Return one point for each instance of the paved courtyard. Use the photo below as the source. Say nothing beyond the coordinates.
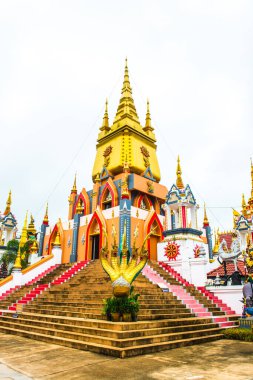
(25, 359)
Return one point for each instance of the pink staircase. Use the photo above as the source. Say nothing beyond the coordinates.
(180, 291)
(70, 272)
(177, 290)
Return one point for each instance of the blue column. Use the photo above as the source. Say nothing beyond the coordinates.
(76, 223)
(209, 241)
(42, 237)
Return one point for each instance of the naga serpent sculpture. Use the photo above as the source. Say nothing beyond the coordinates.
(122, 269)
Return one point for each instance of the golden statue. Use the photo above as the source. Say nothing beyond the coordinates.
(122, 269)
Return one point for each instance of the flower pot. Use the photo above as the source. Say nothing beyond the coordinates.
(126, 317)
(134, 317)
(115, 317)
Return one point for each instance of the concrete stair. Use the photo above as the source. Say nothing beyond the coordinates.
(69, 313)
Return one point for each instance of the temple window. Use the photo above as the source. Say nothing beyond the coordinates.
(107, 202)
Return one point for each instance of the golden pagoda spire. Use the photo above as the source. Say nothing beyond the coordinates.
(148, 127)
(8, 204)
(243, 205)
(74, 188)
(79, 207)
(57, 241)
(45, 220)
(105, 126)
(17, 265)
(23, 238)
(179, 181)
(206, 221)
(31, 230)
(126, 106)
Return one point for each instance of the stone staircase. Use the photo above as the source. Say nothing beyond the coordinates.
(69, 314)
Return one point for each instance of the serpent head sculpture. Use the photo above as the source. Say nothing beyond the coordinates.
(123, 269)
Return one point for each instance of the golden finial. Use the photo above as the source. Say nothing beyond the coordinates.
(23, 238)
(31, 230)
(179, 181)
(45, 220)
(126, 105)
(34, 247)
(57, 241)
(243, 205)
(74, 188)
(17, 265)
(105, 126)
(79, 208)
(8, 204)
(148, 127)
(97, 178)
(206, 221)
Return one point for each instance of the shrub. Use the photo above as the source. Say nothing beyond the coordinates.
(239, 334)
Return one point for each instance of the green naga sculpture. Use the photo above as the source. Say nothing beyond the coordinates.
(123, 269)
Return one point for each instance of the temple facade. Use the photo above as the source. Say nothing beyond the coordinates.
(126, 190)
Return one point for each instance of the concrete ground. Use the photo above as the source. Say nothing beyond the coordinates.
(25, 359)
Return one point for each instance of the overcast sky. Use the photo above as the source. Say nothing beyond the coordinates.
(59, 60)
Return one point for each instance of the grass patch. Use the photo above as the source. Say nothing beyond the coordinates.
(238, 334)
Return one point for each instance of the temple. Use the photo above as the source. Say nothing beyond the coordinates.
(142, 233)
(126, 189)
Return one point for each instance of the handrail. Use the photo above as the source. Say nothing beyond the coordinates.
(5, 280)
(38, 263)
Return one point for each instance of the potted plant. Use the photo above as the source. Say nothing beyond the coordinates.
(111, 309)
(125, 309)
(135, 305)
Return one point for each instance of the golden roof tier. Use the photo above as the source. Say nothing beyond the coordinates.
(126, 138)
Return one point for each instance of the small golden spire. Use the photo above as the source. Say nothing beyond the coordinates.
(148, 127)
(23, 238)
(17, 265)
(179, 181)
(243, 205)
(97, 178)
(206, 221)
(8, 204)
(79, 208)
(31, 230)
(45, 220)
(34, 247)
(126, 107)
(74, 189)
(57, 240)
(105, 126)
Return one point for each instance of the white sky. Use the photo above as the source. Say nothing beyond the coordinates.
(59, 60)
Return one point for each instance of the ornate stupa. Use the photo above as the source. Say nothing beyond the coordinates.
(126, 189)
